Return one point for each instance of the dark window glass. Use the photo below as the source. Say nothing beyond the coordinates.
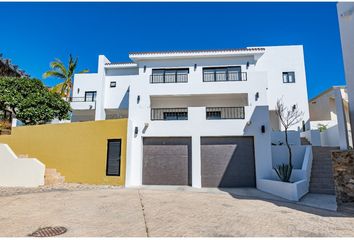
(213, 115)
(222, 74)
(175, 116)
(288, 77)
(90, 96)
(113, 157)
(113, 84)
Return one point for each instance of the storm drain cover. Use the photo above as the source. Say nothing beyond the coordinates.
(48, 232)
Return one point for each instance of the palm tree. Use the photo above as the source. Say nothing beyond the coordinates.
(59, 70)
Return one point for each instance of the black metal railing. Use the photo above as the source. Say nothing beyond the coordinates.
(169, 78)
(167, 114)
(81, 99)
(214, 113)
(222, 77)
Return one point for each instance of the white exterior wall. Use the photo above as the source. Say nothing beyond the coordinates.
(277, 60)
(346, 26)
(197, 95)
(19, 172)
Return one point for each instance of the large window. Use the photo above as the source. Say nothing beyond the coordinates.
(169, 75)
(169, 114)
(288, 77)
(90, 96)
(223, 74)
(113, 157)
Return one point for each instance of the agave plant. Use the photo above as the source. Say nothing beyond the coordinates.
(284, 172)
(59, 70)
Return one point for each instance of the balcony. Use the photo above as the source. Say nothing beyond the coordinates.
(216, 113)
(224, 77)
(168, 114)
(169, 78)
(82, 103)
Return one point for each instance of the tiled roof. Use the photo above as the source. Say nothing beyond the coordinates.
(201, 51)
(120, 63)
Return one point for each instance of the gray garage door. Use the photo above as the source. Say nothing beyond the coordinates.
(227, 162)
(167, 161)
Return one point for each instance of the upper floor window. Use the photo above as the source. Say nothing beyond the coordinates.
(169, 75)
(90, 96)
(288, 77)
(223, 74)
(113, 84)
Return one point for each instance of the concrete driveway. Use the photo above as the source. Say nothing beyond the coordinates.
(102, 211)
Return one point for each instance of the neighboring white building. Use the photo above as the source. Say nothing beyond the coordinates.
(329, 113)
(346, 26)
(199, 118)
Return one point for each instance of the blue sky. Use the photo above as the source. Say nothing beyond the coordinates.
(33, 34)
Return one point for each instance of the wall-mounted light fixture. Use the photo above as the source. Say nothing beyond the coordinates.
(138, 99)
(294, 107)
(257, 96)
(136, 130)
(248, 65)
(78, 90)
(144, 68)
(195, 66)
(263, 129)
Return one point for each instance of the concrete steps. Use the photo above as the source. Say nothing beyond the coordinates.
(322, 180)
(53, 177)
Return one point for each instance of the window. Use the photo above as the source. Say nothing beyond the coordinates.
(169, 114)
(113, 84)
(175, 116)
(213, 115)
(169, 75)
(223, 74)
(288, 77)
(90, 96)
(113, 157)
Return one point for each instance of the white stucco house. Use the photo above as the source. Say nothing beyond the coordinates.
(329, 119)
(202, 118)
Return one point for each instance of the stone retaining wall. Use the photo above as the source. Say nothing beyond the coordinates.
(343, 172)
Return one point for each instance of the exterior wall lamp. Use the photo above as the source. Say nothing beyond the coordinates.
(138, 99)
(294, 107)
(144, 68)
(257, 96)
(78, 90)
(136, 130)
(248, 65)
(195, 67)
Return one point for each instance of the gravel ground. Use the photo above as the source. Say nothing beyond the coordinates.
(95, 211)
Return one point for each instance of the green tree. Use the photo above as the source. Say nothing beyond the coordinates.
(59, 70)
(31, 101)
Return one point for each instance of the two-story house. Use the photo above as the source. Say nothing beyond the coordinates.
(200, 118)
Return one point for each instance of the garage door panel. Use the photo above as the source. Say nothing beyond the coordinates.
(167, 161)
(227, 162)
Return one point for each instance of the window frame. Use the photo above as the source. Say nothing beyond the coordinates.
(215, 69)
(93, 99)
(113, 84)
(120, 156)
(163, 74)
(287, 76)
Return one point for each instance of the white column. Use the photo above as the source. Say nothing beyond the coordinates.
(196, 163)
(341, 120)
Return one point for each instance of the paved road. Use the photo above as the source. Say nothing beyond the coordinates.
(149, 212)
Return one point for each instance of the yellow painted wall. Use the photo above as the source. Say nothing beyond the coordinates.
(77, 150)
